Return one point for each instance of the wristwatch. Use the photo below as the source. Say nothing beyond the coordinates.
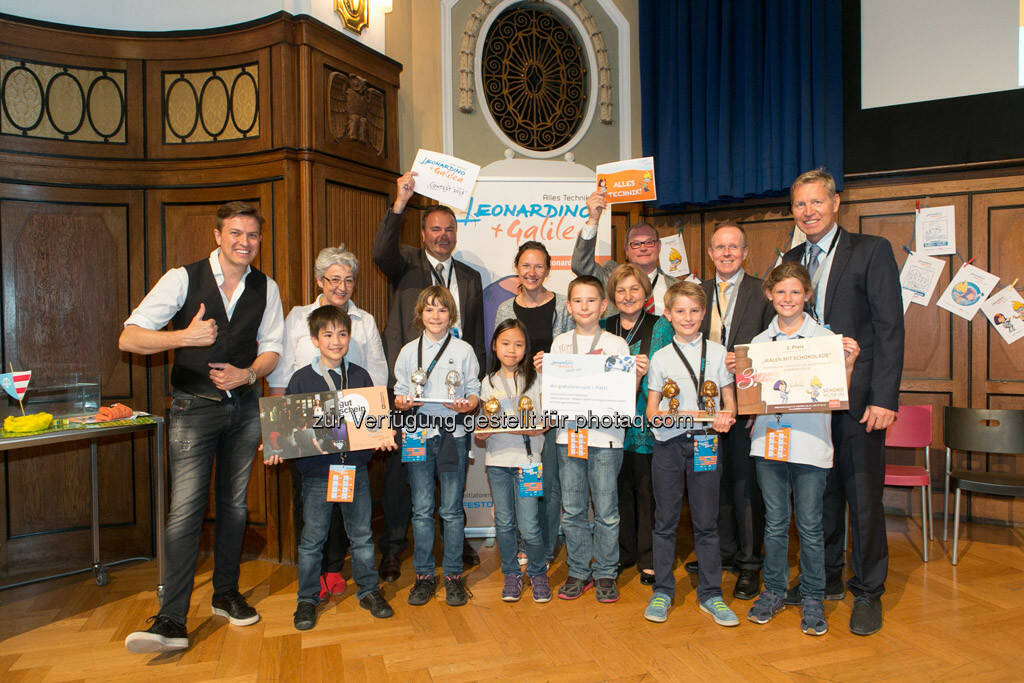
(252, 375)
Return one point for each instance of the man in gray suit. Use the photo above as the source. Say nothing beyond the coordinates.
(643, 246)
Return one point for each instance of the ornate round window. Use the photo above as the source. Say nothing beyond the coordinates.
(534, 74)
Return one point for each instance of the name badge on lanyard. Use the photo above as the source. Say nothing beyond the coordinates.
(341, 484)
(531, 484)
(578, 443)
(414, 446)
(705, 452)
(776, 443)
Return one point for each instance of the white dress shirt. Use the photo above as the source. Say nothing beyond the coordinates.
(824, 268)
(454, 289)
(168, 296)
(365, 348)
(734, 288)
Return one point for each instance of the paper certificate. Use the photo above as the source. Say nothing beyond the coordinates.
(627, 181)
(792, 376)
(935, 230)
(918, 279)
(300, 425)
(445, 178)
(1005, 310)
(574, 385)
(673, 256)
(967, 291)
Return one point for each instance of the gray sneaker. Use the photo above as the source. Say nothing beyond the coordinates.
(767, 605)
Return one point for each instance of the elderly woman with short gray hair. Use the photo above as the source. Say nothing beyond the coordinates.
(335, 270)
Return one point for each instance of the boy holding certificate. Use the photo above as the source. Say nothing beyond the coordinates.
(330, 329)
(589, 459)
(793, 456)
(438, 376)
(685, 453)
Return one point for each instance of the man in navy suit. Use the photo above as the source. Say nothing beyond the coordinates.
(411, 270)
(857, 294)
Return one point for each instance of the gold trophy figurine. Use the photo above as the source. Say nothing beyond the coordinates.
(492, 406)
(708, 396)
(670, 390)
(525, 407)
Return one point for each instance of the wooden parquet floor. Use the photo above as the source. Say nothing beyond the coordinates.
(941, 623)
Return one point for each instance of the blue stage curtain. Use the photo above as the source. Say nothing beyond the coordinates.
(739, 96)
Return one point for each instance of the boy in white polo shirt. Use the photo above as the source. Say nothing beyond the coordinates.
(591, 474)
(690, 361)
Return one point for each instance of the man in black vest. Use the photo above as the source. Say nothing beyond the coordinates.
(737, 311)
(410, 271)
(228, 330)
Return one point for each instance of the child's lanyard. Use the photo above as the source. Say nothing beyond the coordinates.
(326, 374)
(703, 363)
(593, 344)
(508, 392)
(419, 356)
(331, 384)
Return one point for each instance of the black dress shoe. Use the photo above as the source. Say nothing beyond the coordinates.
(646, 578)
(390, 568)
(748, 586)
(835, 589)
(470, 558)
(691, 567)
(866, 617)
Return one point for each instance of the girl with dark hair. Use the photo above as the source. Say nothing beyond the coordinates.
(545, 316)
(511, 391)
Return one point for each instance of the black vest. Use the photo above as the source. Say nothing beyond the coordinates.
(236, 339)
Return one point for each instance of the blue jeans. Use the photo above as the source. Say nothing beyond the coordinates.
(510, 509)
(594, 479)
(200, 432)
(807, 484)
(452, 484)
(316, 520)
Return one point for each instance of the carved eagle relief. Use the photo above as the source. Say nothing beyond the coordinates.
(355, 111)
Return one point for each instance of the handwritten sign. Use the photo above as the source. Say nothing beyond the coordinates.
(445, 178)
(628, 181)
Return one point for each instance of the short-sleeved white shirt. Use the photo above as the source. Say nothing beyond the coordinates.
(665, 364)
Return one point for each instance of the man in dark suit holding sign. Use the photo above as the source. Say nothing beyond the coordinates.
(411, 270)
(737, 311)
(857, 294)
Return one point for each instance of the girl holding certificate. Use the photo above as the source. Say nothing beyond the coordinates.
(794, 455)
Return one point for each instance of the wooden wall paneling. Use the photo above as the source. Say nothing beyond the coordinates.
(354, 107)
(87, 96)
(768, 228)
(71, 259)
(997, 369)
(209, 87)
(686, 224)
(181, 223)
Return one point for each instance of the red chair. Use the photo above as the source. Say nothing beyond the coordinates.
(913, 429)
